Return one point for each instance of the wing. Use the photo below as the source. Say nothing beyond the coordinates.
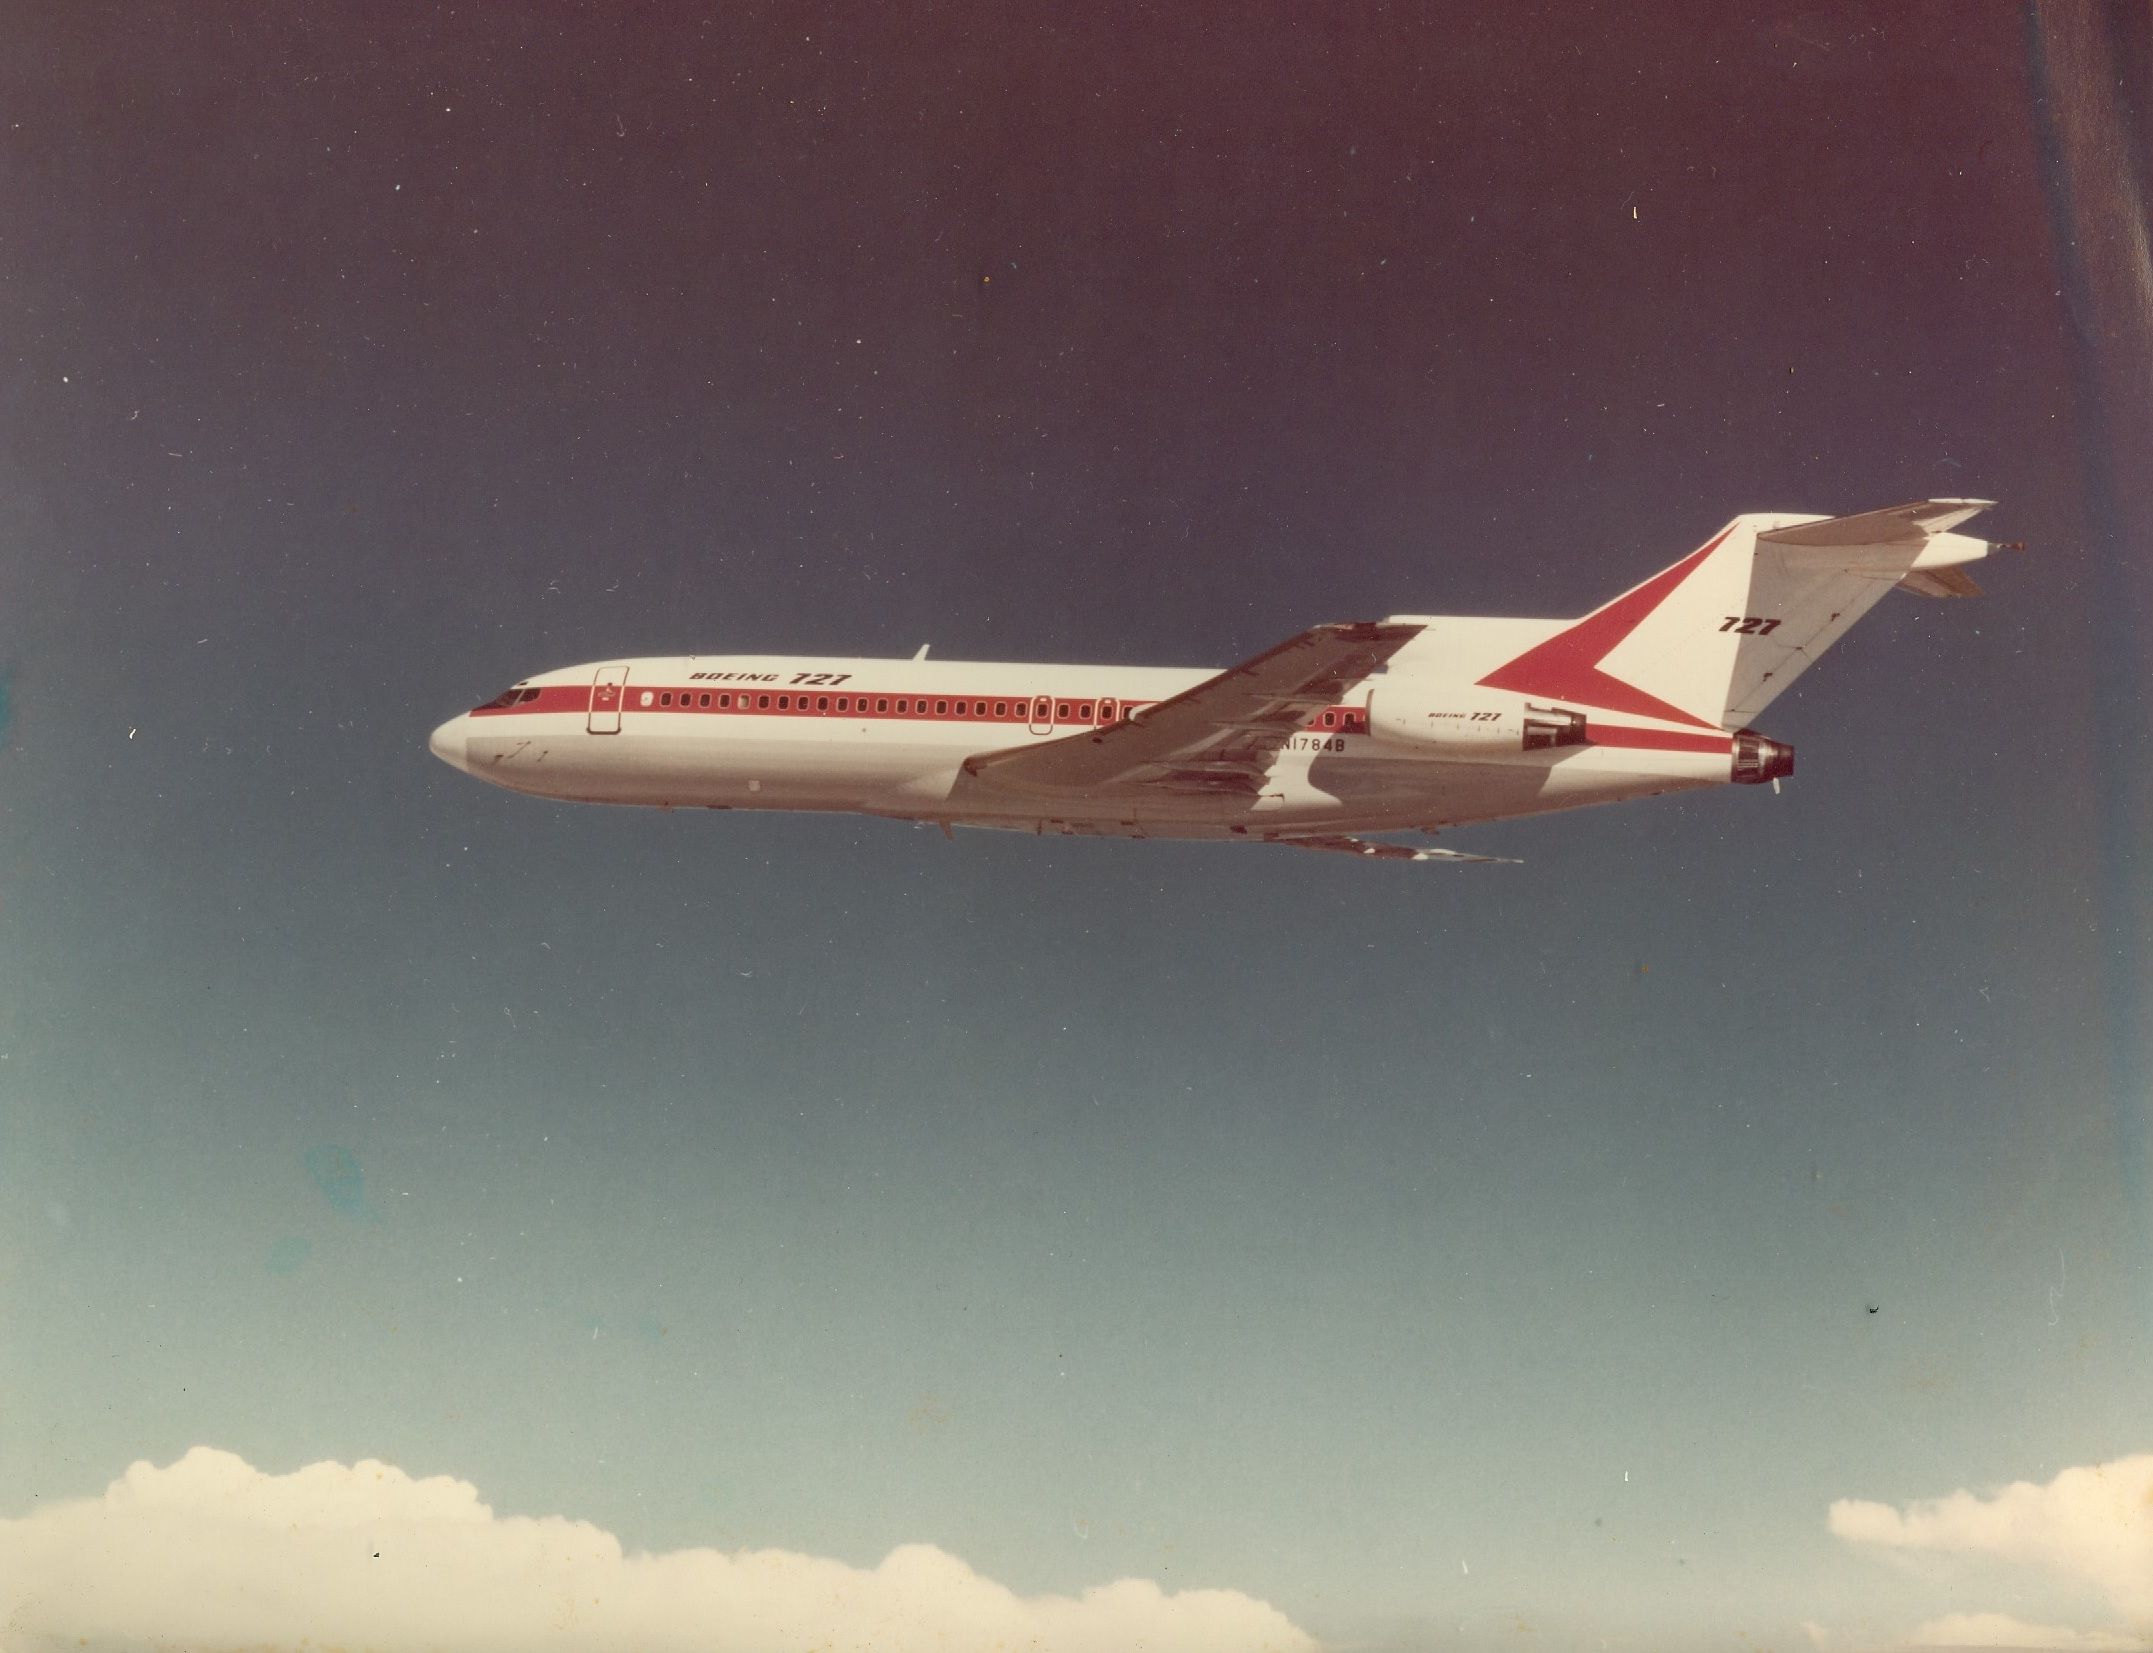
(1221, 736)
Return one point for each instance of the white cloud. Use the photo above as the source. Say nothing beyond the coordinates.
(211, 1553)
(2093, 1523)
(2001, 1630)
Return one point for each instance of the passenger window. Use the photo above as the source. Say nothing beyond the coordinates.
(1084, 712)
(941, 708)
(724, 701)
(822, 702)
(762, 703)
(1061, 712)
(1330, 720)
(882, 705)
(702, 700)
(648, 697)
(1001, 708)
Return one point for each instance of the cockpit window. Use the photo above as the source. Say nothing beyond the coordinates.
(507, 697)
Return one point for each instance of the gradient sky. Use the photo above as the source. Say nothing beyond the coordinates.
(1424, 1250)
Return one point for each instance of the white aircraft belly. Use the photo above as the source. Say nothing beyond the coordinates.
(1378, 792)
(744, 765)
(913, 774)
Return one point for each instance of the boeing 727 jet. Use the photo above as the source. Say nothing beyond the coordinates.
(1401, 726)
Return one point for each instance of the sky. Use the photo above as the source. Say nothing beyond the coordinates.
(1731, 1228)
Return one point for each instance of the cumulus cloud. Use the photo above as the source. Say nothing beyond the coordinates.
(211, 1553)
(2093, 1524)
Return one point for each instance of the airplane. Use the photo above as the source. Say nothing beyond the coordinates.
(1401, 726)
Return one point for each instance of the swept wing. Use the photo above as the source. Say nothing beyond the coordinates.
(1222, 736)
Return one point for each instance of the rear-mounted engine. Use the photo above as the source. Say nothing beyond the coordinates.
(1547, 726)
(1757, 760)
(1456, 723)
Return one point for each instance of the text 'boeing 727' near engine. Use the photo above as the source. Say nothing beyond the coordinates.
(1404, 725)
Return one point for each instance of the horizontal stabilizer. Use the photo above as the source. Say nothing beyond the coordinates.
(1892, 526)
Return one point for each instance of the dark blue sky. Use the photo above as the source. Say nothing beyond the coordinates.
(1088, 1210)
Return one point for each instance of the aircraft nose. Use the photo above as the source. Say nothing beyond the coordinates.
(448, 743)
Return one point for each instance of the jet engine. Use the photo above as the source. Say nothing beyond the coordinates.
(1757, 760)
(1468, 723)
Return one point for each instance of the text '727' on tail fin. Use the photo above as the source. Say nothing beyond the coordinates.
(1714, 639)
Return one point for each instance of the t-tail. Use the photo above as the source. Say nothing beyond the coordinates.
(1713, 640)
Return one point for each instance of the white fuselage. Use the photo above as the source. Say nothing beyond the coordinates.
(891, 738)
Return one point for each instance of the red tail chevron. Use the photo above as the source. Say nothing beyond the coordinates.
(1567, 666)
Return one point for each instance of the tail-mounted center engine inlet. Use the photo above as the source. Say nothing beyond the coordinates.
(1757, 760)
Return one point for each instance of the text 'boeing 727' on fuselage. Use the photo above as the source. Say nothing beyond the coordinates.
(1404, 725)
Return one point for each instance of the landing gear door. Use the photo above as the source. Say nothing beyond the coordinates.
(608, 689)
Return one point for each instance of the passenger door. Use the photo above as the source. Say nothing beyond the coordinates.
(608, 689)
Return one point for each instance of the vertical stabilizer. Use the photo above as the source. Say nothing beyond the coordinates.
(1714, 639)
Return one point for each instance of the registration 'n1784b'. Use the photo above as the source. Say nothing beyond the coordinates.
(1337, 736)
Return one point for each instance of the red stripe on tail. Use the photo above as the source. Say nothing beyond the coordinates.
(1567, 665)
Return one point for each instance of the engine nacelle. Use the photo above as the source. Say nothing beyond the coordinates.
(1468, 723)
(1757, 760)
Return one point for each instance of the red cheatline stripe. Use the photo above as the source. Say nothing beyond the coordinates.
(930, 708)
(576, 698)
(1346, 719)
(1654, 740)
(1567, 665)
(555, 697)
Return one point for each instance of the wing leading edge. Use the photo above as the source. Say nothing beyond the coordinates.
(1894, 525)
